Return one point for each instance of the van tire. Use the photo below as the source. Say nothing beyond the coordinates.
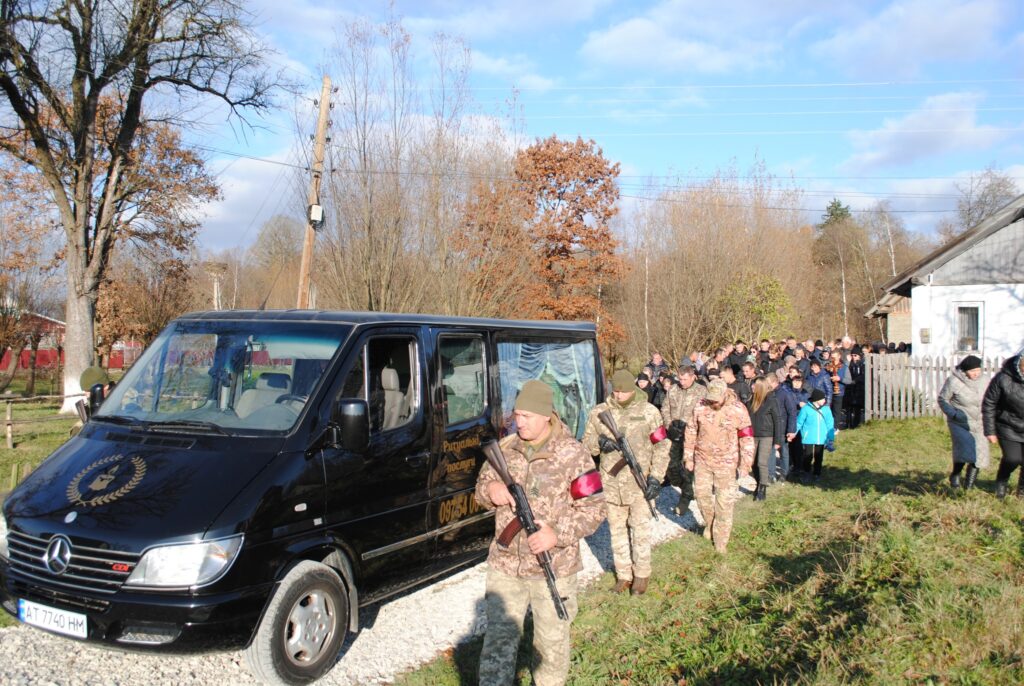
(301, 633)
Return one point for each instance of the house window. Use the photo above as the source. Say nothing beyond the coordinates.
(968, 328)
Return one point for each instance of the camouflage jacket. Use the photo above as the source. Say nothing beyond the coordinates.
(680, 402)
(547, 474)
(640, 423)
(721, 439)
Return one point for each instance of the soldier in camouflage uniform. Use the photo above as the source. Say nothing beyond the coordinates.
(629, 517)
(564, 490)
(676, 414)
(718, 441)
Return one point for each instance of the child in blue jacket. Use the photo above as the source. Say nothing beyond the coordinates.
(816, 427)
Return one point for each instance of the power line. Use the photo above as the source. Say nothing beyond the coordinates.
(683, 99)
(754, 86)
(795, 132)
(690, 201)
(798, 113)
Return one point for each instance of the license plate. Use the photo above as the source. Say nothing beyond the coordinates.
(60, 621)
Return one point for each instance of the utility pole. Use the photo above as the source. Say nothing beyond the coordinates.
(314, 210)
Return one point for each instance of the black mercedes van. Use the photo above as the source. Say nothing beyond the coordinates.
(256, 477)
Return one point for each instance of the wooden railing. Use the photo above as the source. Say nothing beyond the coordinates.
(902, 387)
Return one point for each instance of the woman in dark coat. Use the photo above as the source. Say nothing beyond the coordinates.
(766, 420)
(1002, 413)
(960, 401)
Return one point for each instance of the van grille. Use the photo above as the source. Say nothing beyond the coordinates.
(90, 569)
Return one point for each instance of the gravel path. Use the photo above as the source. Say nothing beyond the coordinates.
(406, 632)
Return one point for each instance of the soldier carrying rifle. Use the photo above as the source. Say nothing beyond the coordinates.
(563, 488)
(629, 513)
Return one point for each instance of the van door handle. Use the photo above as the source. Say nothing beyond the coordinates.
(418, 459)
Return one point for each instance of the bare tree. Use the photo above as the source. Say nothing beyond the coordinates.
(62, 63)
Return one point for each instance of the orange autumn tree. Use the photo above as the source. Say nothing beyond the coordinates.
(571, 189)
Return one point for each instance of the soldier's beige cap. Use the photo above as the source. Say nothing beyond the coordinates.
(536, 397)
(716, 390)
(623, 381)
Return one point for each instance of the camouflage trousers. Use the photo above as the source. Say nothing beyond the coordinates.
(630, 527)
(506, 600)
(679, 476)
(716, 494)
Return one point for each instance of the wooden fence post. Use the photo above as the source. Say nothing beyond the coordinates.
(868, 395)
(14, 476)
(9, 428)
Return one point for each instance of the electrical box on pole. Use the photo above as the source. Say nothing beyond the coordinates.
(315, 216)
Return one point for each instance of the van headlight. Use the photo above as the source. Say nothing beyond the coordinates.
(189, 564)
(3, 537)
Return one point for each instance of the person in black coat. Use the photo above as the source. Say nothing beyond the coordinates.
(732, 379)
(854, 403)
(1002, 416)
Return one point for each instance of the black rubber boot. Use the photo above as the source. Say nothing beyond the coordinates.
(1001, 489)
(761, 493)
(954, 481)
(972, 476)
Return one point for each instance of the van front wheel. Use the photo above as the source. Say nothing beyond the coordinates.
(303, 628)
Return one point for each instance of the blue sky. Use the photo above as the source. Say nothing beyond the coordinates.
(862, 100)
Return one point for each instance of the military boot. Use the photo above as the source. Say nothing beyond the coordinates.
(761, 493)
(622, 585)
(1001, 489)
(954, 481)
(972, 476)
(639, 586)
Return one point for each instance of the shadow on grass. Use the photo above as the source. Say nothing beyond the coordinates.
(465, 657)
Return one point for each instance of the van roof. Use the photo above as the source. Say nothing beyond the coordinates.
(362, 318)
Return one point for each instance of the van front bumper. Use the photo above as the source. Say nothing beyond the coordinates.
(167, 622)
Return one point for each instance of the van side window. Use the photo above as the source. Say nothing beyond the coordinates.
(567, 366)
(463, 377)
(387, 376)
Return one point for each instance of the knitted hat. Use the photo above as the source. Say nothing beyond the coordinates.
(92, 376)
(970, 362)
(817, 394)
(536, 397)
(623, 381)
(716, 390)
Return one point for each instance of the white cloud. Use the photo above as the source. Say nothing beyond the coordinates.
(943, 124)
(689, 36)
(253, 192)
(908, 34)
(517, 69)
(502, 18)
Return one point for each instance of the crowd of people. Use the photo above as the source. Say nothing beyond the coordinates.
(708, 426)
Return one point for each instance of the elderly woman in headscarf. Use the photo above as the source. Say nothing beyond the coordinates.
(960, 400)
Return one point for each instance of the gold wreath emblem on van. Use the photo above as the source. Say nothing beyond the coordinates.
(101, 475)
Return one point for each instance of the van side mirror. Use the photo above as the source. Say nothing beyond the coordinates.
(351, 417)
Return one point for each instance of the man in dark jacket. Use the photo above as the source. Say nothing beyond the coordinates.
(731, 376)
(738, 355)
(791, 396)
(1002, 415)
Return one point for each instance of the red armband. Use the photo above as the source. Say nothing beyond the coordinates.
(745, 432)
(586, 484)
(659, 435)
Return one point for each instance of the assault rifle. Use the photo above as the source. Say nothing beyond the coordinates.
(628, 457)
(524, 519)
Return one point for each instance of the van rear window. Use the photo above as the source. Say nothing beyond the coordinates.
(567, 366)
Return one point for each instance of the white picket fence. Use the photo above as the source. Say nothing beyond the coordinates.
(901, 386)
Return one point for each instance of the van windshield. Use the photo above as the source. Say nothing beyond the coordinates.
(225, 376)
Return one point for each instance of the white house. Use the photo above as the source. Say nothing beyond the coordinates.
(967, 297)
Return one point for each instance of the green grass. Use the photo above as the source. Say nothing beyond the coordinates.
(877, 575)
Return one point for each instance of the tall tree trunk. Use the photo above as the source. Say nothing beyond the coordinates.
(842, 276)
(647, 289)
(892, 249)
(79, 348)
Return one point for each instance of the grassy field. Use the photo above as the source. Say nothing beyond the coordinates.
(876, 575)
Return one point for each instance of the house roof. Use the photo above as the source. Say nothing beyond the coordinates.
(902, 282)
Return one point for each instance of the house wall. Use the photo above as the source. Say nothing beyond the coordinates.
(1001, 317)
(899, 327)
